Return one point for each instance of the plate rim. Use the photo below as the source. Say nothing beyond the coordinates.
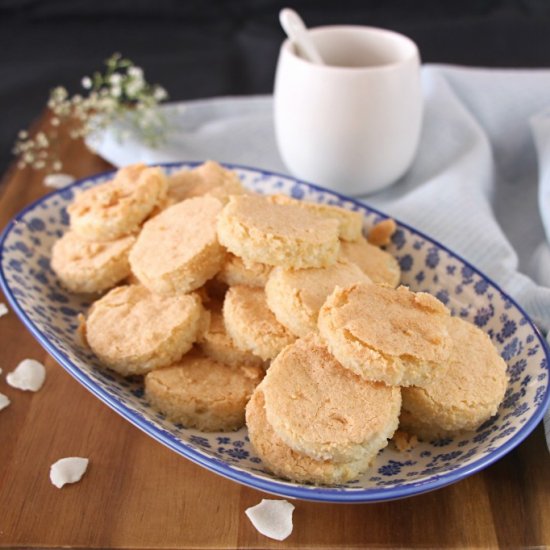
(302, 492)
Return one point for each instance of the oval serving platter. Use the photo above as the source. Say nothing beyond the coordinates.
(50, 313)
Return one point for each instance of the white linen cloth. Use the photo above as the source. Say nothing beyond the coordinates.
(480, 181)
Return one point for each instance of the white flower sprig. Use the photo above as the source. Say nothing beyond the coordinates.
(120, 93)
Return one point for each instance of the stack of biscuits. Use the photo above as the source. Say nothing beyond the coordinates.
(206, 287)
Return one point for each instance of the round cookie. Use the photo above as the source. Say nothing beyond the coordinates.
(320, 409)
(235, 272)
(209, 178)
(388, 335)
(218, 345)
(350, 224)
(379, 265)
(284, 462)
(465, 392)
(201, 393)
(133, 331)
(251, 325)
(84, 266)
(257, 230)
(423, 431)
(118, 207)
(295, 296)
(178, 251)
(162, 205)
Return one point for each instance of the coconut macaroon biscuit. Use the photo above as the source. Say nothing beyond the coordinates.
(118, 207)
(251, 325)
(295, 296)
(87, 267)
(378, 264)
(283, 461)
(178, 250)
(465, 392)
(350, 224)
(383, 334)
(217, 344)
(320, 409)
(202, 393)
(258, 230)
(133, 331)
(209, 178)
(235, 272)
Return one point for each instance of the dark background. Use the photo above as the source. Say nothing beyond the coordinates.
(214, 47)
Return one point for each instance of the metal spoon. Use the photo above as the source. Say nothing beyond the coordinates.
(296, 30)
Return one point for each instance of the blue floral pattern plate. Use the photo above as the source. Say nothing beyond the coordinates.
(50, 313)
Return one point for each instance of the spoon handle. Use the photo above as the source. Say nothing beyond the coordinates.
(296, 30)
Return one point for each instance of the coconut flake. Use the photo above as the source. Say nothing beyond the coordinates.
(4, 401)
(58, 181)
(272, 518)
(3, 309)
(68, 470)
(28, 375)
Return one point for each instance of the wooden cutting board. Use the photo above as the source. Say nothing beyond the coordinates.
(138, 494)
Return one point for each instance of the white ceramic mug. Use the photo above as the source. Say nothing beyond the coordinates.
(353, 124)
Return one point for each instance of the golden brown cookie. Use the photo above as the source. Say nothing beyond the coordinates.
(218, 345)
(118, 207)
(209, 178)
(350, 224)
(133, 331)
(178, 250)
(465, 392)
(257, 230)
(295, 296)
(320, 409)
(251, 325)
(235, 272)
(284, 462)
(85, 266)
(202, 393)
(379, 265)
(389, 335)
(162, 205)
(423, 431)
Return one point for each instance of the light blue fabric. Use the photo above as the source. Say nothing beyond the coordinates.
(480, 182)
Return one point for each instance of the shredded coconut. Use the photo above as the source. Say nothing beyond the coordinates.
(4, 401)
(29, 375)
(58, 181)
(272, 518)
(68, 470)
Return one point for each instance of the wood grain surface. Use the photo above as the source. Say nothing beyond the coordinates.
(138, 494)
